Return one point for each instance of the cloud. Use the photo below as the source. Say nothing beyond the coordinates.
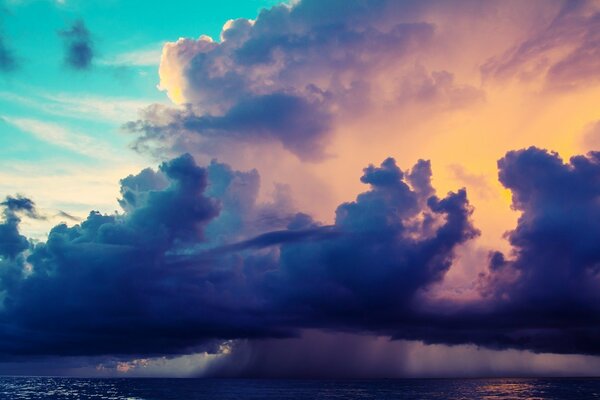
(20, 204)
(195, 260)
(12, 244)
(290, 75)
(564, 51)
(79, 51)
(437, 89)
(591, 136)
(549, 284)
(543, 295)
(396, 237)
(184, 267)
(145, 57)
(199, 256)
(95, 108)
(63, 214)
(166, 212)
(62, 137)
(474, 181)
(298, 124)
(117, 250)
(7, 60)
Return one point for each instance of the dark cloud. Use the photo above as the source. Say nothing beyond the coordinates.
(550, 282)
(544, 295)
(79, 51)
(87, 280)
(193, 260)
(21, 204)
(276, 238)
(297, 123)
(108, 285)
(63, 214)
(394, 241)
(7, 59)
(12, 243)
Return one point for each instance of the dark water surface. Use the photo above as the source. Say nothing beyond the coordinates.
(226, 389)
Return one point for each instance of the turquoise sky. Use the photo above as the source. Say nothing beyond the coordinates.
(55, 121)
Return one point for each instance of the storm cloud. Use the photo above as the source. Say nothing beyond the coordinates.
(193, 261)
(543, 296)
(174, 272)
(550, 281)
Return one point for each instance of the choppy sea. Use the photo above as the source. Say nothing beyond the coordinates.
(228, 389)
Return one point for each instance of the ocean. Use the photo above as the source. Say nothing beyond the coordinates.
(14, 388)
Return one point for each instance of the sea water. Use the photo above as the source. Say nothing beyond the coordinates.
(228, 389)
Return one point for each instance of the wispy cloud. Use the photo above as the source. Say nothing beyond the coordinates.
(476, 182)
(103, 108)
(62, 137)
(146, 57)
(18, 2)
(94, 108)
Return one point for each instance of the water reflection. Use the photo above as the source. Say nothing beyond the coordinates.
(513, 389)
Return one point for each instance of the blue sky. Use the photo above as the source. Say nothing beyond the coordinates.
(56, 120)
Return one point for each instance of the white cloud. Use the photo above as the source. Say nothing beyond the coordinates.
(113, 109)
(148, 57)
(62, 137)
(95, 108)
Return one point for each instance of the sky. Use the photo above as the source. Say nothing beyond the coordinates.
(339, 188)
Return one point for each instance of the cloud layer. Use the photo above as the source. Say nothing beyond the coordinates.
(195, 260)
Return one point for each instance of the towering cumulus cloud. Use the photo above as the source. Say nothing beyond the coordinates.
(192, 261)
(285, 76)
(393, 241)
(549, 285)
(195, 260)
(543, 296)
